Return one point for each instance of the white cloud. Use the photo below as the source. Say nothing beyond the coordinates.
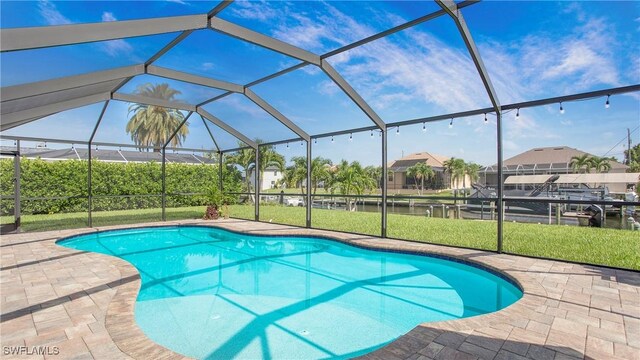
(577, 61)
(178, 2)
(327, 87)
(108, 16)
(256, 10)
(51, 14)
(207, 66)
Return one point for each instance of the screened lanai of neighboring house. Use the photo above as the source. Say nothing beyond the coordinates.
(361, 81)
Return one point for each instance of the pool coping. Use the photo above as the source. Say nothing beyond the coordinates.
(131, 340)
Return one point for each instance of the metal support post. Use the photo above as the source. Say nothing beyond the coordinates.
(309, 199)
(89, 185)
(89, 189)
(220, 155)
(500, 186)
(384, 183)
(256, 187)
(164, 183)
(16, 198)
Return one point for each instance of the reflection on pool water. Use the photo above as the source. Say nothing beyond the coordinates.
(211, 293)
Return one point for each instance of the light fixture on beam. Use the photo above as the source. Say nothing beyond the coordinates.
(606, 104)
(372, 134)
(332, 139)
(485, 118)
(451, 123)
(398, 130)
(518, 114)
(350, 137)
(561, 108)
(424, 127)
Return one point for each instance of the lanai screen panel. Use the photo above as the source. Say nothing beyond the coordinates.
(422, 71)
(26, 66)
(350, 196)
(454, 150)
(211, 54)
(594, 45)
(323, 26)
(182, 91)
(587, 138)
(313, 101)
(249, 119)
(118, 126)
(283, 192)
(75, 124)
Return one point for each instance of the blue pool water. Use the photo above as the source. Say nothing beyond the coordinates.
(213, 294)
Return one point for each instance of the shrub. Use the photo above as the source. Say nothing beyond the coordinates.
(142, 182)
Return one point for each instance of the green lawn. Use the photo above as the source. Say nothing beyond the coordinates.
(618, 248)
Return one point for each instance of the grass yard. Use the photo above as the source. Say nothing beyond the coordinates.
(618, 248)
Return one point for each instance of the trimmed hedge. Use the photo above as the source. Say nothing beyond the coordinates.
(142, 181)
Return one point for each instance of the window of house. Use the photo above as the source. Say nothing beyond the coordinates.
(390, 176)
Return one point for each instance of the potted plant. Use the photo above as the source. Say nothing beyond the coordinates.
(214, 198)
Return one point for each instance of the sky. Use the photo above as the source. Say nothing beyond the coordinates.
(531, 50)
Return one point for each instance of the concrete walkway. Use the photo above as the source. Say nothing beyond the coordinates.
(59, 303)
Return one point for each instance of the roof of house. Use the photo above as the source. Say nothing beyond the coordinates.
(110, 155)
(554, 157)
(433, 160)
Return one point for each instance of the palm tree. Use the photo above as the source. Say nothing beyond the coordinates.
(456, 169)
(375, 172)
(152, 125)
(473, 171)
(319, 171)
(577, 163)
(350, 179)
(600, 164)
(420, 171)
(246, 158)
(288, 179)
(297, 173)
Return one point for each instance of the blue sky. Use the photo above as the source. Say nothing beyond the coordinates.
(531, 50)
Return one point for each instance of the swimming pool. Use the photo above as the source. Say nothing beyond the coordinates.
(209, 293)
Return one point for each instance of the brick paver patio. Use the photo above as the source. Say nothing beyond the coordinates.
(80, 305)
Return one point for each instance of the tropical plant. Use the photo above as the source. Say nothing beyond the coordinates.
(375, 172)
(296, 174)
(581, 163)
(152, 125)
(473, 171)
(246, 159)
(600, 164)
(456, 169)
(349, 180)
(420, 171)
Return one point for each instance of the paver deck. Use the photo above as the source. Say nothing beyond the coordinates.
(72, 304)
